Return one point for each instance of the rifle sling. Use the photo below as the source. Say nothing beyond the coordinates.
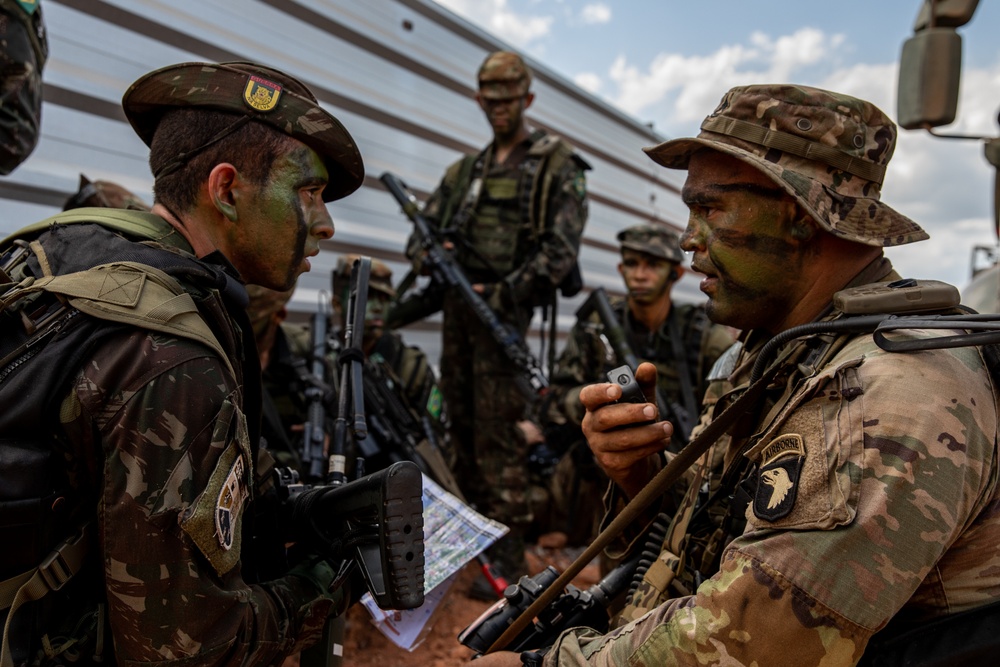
(653, 490)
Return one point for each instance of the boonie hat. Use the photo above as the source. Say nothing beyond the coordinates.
(503, 76)
(254, 92)
(653, 240)
(379, 279)
(827, 150)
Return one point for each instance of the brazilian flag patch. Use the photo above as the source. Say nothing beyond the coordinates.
(261, 94)
(28, 6)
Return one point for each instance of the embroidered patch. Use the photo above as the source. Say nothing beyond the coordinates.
(778, 477)
(227, 507)
(28, 5)
(261, 94)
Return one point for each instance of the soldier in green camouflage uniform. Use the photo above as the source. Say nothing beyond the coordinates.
(516, 212)
(23, 54)
(651, 265)
(869, 479)
(153, 412)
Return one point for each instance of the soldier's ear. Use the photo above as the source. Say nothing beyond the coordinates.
(802, 226)
(223, 183)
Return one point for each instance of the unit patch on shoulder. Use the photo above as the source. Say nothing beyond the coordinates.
(778, 478)
(261, 94)
(229, 504)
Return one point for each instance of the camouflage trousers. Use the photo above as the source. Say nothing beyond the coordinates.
(478, 384)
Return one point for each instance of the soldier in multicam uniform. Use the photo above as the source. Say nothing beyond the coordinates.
(516, 213)
(22, 58)
(677, 338)
(146, 419)
(869, 479)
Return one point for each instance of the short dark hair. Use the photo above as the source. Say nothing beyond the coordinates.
(252, 149)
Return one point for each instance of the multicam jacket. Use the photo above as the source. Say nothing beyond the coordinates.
(153, 431)
(873, 494)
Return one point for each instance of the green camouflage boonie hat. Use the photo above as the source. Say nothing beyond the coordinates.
(827, 150)
(503, 76)
(254, 92)
(379, 279)
(652, 240)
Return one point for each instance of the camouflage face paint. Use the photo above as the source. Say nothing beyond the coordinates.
(288, 218)
(739, 229)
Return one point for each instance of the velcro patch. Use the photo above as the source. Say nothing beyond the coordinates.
(227, 508)
(778, 477)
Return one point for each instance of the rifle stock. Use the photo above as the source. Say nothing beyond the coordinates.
(530, 379)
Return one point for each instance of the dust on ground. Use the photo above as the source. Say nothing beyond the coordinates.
(366, 646)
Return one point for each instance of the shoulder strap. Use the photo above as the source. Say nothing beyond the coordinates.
(137, 224)
(129, 293)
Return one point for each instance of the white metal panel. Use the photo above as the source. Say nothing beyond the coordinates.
(398, 73)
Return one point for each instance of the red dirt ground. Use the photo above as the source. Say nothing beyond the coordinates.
(365, 646)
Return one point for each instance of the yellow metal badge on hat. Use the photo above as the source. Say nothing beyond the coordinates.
(261, 94)
(778, 477)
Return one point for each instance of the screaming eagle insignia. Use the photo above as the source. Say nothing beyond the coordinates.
(778, 477)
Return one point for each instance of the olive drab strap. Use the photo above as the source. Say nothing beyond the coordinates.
(59, 566)
(128, 293)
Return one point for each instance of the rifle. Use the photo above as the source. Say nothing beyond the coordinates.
(317, 393)
(445, 271)
(398, 434)
(375, 523)
(573, 608)
(598, 303)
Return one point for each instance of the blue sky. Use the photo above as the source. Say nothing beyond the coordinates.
(669, 62)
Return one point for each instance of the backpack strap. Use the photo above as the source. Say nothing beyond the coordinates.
(128, 293)
(59, 566)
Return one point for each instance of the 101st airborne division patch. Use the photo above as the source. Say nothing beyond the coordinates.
(778, 478)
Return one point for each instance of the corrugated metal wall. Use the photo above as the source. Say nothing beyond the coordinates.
(399, 74)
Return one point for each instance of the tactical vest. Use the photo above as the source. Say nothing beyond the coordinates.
(690, 541)
(65, 286)
(502, 212)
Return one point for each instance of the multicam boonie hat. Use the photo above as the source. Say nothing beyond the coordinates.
(503, 76)
(255, 92)
(379, 279)
(827, 150)
(653, 240)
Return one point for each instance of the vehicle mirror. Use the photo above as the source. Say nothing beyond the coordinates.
(947, 14)
(929, 71)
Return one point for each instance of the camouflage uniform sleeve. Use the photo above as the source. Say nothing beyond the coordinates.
(176, 482)
(885, 506)
(560, 241)
(20, 93)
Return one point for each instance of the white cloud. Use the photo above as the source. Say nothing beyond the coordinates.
(588, 81)
(521, 30)
(596, 13)
(695, 83)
